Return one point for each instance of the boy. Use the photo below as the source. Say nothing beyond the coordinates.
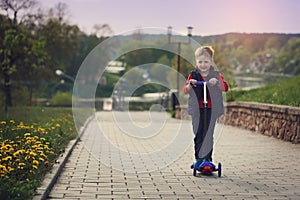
(205, 71)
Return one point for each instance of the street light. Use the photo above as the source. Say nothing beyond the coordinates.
(169, 33)
(58, 72)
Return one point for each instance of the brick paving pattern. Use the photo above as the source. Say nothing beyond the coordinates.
(253, 167)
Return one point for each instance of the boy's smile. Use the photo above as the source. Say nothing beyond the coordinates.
(203, 63)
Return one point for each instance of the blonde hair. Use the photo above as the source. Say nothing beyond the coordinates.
(205, 50)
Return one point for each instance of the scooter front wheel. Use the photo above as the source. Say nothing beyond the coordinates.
(219, 170)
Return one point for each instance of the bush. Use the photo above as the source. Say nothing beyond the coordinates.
(62, 99)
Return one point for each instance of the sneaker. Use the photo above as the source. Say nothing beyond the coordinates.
(198, 163)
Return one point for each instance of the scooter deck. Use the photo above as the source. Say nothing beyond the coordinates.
(207, 168)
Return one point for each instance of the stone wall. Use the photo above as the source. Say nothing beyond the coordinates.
(282, 122)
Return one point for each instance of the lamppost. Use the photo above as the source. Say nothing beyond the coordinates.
(58, 72)
(179, 51)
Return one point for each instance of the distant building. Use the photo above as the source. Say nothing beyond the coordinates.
(115, 66)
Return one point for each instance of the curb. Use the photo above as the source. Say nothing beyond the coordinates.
(51, 177)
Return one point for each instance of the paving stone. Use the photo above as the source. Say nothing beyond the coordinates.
(254, 167)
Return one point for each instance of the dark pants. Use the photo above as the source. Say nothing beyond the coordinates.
(203, 140)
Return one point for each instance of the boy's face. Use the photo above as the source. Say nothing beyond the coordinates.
(203, 63)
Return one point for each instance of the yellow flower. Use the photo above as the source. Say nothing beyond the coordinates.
(35, 162)
(3, 168)
(39, 148)
(40, 129)
(3, 122)
(27, 134)
(12, 121)
(9, 169)
(16, 154)
(32, 153)
(34, 166)
(43, 155)
(21, 125)
(19, 151)
(42, 159)
(3, 147)
(7, 158)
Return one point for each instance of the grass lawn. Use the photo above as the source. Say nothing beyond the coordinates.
(284, 92)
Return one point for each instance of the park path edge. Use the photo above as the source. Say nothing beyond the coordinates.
(51, 177)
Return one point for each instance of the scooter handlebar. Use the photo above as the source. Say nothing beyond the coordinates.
(202, 83)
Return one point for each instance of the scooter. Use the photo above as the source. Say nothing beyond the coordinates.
(206, 167)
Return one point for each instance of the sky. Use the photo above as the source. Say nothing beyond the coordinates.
(207, 17)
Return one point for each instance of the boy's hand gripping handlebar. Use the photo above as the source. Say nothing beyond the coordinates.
(204, 83)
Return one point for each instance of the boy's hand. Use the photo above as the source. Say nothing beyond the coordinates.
(213, 81)
(193, 82)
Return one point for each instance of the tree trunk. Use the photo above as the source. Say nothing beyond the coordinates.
(7, 91)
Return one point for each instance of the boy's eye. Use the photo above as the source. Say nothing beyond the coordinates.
(202, 62)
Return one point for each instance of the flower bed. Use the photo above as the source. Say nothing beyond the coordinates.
(28, 150)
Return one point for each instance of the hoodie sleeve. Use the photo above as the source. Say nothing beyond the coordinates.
(223, 83)
(184, 89)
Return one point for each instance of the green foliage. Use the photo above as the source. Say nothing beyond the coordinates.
(285, 92)
(173, 113)
(62, 98)
(18, 190)
(106, 90)
(288, 59)
(266, 52)
(62, 43)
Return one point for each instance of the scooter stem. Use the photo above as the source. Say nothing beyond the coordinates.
(205, 95)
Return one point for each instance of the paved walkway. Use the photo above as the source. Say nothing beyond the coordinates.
(254, 166)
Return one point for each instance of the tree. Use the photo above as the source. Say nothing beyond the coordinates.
(12, 40)
(9, 55)
(33, 63)
(14, 7)
(102, 30)
(62, 43)
(272, 43)
(288, 59)
(22, 54)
